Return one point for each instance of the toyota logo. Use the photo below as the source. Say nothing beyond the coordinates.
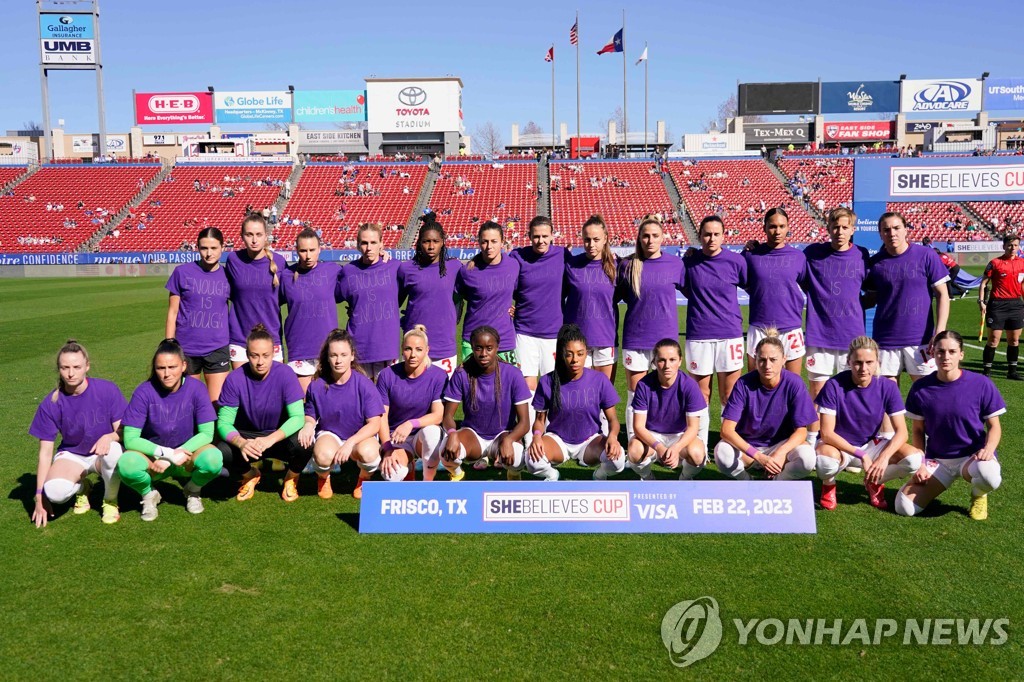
(412, 96)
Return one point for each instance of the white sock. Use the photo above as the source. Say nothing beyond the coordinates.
(371, 466)
(690, 471)
(703, 427)
(541, 468)
(903, 468)
(108, 472)
(612, 466)
(799, 463)
(812, 438)
(827, 469)
(453, 467)
(399, 474)
(60, 490)
(729, 462)
(629, 415)
(643, 467)
(985, 476)
(904, 507)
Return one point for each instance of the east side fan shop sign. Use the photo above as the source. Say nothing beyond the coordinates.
(859, 131)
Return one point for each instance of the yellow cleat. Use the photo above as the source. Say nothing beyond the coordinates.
(458, 475)
(979, 507)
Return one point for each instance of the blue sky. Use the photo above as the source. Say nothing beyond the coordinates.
(697, 52)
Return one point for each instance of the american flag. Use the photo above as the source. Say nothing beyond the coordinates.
(574, 35)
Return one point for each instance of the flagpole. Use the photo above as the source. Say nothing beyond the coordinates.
(552, 100)
(646, 59)
(625, 120)
(578, 133)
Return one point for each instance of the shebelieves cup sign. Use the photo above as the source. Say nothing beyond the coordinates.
(588, 507)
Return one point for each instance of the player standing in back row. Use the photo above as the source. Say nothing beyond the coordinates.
(1004, 309)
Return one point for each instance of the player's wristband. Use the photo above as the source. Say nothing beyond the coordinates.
(415, 423)
(451, 431)
(232, 436)
(751, 452)
(388, 447)
(538, 432)
(859, 454)
(39, 491)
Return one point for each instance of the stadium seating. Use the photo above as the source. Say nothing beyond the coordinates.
(11, 173)
(1008, 214)
(314, 200)
(719, 188)
(467, 194)
(97, 189)
(599, 189)
(926, 219)
(175, 211)
(830, 179)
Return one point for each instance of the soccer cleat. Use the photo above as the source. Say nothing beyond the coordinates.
(979, 507)
(290, 491)
(357, 492)
(986, 370)
(513, 474)
(876, 495)
(1014, 375)
(149, 503)
(323, 487)
(249, 483)
(600, 474)
(457, 475)
(828, 496)
(110, 514)
(82, 498)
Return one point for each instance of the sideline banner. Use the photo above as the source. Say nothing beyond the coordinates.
(588, 507)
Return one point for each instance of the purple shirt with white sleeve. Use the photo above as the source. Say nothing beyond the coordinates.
(344, 408)
(954, 412)
(489, 417)
(488, 291)
(371, 292)
(410, 398)
(81, 419)
(654, 315)
(262, 402)
(169, 418)
(590, 301)
(833, 281)
(773, 277)
(312, 310)
(713, 309)
(668, 408)
(768, 416)
(254, 299)
(582, 402)
(859, 410)
(430, 301)
(904, 285)
(540, 278)
(201, 326)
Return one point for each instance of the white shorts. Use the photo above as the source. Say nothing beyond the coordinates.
(704, 358)
(338, 439)
(572, 451)
(666, 439)
(303, 368)
(90, 463)
(792, 342)
(873, 448)
(600, 357)
(449, 365)
(912, 360)
(410, 443)
(536, 355)
(637, 360)
(375, 368)
(770, 450)
(488, 448)
(823, 363)
(238, 354)
(948, 470)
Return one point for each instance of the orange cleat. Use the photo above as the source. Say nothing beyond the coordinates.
(828, 497)
(357, 492)
(249, 483)
(323, 487)
(290, 491)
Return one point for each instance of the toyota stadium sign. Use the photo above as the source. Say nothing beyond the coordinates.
(173, 107)
(407, 106)
(941, 95)
(777, 133)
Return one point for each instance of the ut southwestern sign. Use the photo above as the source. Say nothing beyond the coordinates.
(1004, 94)
(68, 39)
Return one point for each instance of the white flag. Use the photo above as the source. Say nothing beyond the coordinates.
(643, 57)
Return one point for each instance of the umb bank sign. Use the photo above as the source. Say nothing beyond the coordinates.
(67, 39)
(416, 105)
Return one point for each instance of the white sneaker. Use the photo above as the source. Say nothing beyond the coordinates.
(600, 474)
(193, 503)
(149, 503)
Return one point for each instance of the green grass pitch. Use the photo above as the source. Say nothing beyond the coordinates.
(264, 588)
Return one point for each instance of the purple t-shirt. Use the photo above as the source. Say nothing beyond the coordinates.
(201, 326)
(590, 301)
(371, 292)
(954, 412)
(859, 411)
(408, 398)
(712, 308)
(344, 408)
(488, 292)
(773, 277)
(489, 417)
(79, 419)
(903, 283)
(833, 281)
(261, 403)
(668, 408)
(312, 310)
(540, 278)
(254, 299)
(764, 416)
(169, 419)
(582, 402)
(654, 316)
(430, 302)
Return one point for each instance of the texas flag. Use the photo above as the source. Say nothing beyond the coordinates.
(614, 45)
(550, 56)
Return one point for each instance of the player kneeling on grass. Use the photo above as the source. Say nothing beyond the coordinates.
(495, 403)
(260, 413)
(574, 396)
(851, 408)
(86, 413)
(956, 413)
(168, 431)
(765, 420)
(667, 410)
(343, 412)
(412, 392)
